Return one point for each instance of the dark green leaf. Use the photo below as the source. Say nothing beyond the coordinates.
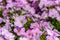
(2, 24)
(1, 13)
(12, 21)
(27, 25)
(55, 23)
(42, 37)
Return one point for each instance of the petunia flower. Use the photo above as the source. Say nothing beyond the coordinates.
(20, 21)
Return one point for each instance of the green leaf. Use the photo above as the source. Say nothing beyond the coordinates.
(42, 29)
(10, 14)
(1, 13)
(55, 23)
(12, 20)
(2, 24)
(42, 37)
(17, 37)
(12, 31)
(59, 37)
(27, 25)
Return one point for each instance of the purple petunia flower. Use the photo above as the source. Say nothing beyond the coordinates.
(19, 32)
(20, 21)
(1, 38)
(0, 0)
(53, 13)
(34, 25)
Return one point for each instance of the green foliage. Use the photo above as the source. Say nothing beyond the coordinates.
(2, 24)
(51, 7)
(59, 37)
(12, 31)
(55, 23)
(27, 25)
(42, 37)
(12, 20)
(1, 13)
(17, 37)
(42, 29)
(10, 14)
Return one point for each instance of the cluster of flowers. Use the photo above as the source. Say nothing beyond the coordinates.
(29, 19)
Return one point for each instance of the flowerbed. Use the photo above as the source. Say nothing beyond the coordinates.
(29, 20)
